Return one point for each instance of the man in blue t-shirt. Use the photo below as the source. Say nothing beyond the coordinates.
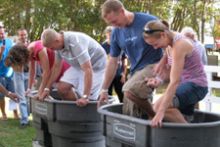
(127, 35)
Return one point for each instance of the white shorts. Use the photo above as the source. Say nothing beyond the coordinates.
(75, 77)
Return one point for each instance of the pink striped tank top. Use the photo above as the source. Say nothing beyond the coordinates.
(193, 70)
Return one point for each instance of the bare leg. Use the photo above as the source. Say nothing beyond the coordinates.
(2, 107)
(142, 103)
(171, 115)
(15, 114)
(66, 92)
(174, 115)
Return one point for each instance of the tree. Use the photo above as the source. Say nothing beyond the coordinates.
(84, 15)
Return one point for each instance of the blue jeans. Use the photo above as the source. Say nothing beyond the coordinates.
(188, 94)
(21, 83)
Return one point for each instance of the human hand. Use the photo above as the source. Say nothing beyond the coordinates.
(103, 99)
(43, 95)
(27, 92)
(82, 102)
(152, 82)
(157, 120)
(13, 96)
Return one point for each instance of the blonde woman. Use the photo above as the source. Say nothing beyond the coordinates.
(187, 79)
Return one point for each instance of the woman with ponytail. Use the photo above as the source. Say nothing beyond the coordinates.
(187, 78)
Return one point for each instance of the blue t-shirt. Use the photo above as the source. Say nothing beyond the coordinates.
(130, 39)
(120, 69)
(5, 71)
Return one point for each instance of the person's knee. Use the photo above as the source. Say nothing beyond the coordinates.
(63, 88)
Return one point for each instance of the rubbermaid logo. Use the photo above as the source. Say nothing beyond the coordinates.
(124, 131)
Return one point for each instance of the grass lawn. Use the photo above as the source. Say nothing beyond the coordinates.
(11, 135)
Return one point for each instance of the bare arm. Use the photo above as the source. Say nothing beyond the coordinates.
(110, 71)
(45, 68)
(125, 70)
(9, 94)
(161, 66)
(31, 74)
(55, 71)
(88, 74)
(2, 48)
(109, 76)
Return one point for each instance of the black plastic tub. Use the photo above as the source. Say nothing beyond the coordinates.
(121, 130)
(71, 125)
(62, 123)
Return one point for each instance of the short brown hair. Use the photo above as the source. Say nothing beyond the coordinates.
(111, 6)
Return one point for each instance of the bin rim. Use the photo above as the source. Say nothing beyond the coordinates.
(102, 110)
(52, 100)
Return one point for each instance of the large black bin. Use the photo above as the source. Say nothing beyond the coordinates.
(71, 125)
(63, 124)
(39, 112)
(121, 130)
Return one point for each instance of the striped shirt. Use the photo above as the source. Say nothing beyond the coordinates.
(193, 70)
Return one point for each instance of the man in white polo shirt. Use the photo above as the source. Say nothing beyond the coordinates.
(82, 82)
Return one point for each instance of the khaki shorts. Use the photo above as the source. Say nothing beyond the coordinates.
(137, 85)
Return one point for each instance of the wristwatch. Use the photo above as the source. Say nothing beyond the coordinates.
(85, 96)
(46, 89)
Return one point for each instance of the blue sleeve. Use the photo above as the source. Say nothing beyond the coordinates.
(115, 50)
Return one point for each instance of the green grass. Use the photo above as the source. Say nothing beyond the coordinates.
(11, 135)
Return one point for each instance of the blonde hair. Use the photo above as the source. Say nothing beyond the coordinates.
(48, 36)
(111, 6)
(154, 28)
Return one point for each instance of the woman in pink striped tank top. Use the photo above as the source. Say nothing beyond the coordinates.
(187, 79)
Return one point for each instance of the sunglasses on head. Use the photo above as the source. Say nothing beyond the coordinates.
(149, 31)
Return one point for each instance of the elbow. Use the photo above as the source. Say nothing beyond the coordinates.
(175, 83)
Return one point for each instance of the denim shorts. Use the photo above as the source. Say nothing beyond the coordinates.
(187, 95)
(8, 84)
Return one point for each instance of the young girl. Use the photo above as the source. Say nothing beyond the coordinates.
(19, 55)
(187, 79)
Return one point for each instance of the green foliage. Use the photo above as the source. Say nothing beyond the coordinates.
(84, 15)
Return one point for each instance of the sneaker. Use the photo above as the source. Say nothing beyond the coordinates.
(22, 126)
